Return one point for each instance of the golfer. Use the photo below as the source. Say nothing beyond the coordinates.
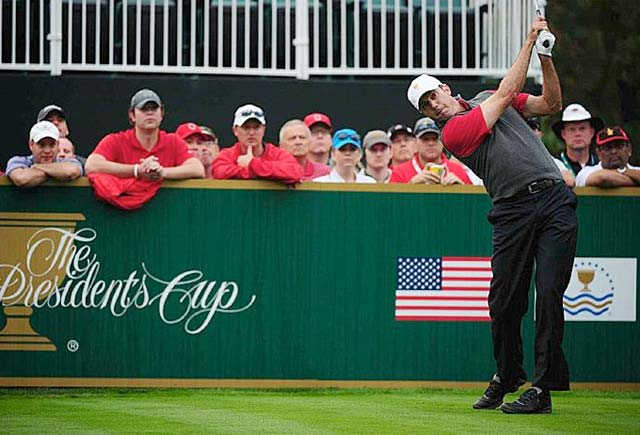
(533, 216)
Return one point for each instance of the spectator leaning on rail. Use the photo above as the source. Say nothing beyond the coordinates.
(377, 155)
(127, 168)
(43, 163)
(295, 137)
(429, 165)
(56, 115)
(403, 144)
(202, 142)
(614, 150)
(577, 129)
(320, 146)
(345, 153)
(533, 216)
(250, 157)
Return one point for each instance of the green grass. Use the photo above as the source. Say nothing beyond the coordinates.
(369, 411)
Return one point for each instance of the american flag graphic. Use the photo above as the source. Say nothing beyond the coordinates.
(443, 288)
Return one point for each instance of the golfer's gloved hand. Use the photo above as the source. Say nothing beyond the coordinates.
(545, 42)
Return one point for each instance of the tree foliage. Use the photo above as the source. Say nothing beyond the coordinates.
(597, 56)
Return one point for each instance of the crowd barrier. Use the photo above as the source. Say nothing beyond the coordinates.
(251, 283)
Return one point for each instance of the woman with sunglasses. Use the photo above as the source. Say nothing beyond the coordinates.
(346, 151)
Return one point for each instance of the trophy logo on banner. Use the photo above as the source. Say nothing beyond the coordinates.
(601, 289)
(30, 272)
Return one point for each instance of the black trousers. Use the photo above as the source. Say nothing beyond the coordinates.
(540, 227)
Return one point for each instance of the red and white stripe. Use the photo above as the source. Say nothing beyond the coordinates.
(464, 294)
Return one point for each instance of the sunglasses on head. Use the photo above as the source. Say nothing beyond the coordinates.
(258, 113)
(346, 135)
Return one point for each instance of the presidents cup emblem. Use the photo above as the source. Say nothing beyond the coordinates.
(28, 243)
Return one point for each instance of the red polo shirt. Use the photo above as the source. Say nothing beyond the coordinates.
(124, 147)
(405, 172)
(464, 133)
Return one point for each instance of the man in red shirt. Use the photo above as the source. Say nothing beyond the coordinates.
(429, 165)
(403, 144)
(250, 157)
(127, 168)
(202, 142)
(320, 147)
(295, 137)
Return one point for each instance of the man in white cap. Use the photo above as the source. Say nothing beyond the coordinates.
(250, 157)
(43, 163)
(533, 216)
(577, 129)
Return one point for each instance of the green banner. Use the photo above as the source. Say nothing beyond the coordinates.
(255, 281)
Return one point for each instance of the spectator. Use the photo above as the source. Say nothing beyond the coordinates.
(614, 150)
(295, 138)
(377, 154)
(202, 142)
(320, 147)
(55, 115)
(345, 153)
(67, 150)
(43, 163)
(250, 157)
(567, 174)
(403, 144)
(429, 165)
(577, 128)
(127, 168)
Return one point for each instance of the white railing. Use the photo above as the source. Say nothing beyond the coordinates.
(295, 38)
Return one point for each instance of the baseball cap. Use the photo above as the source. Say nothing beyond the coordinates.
(314, 118)
(420, 86)
(425, 125)
(573, 113)
(43, 129)
(144, 96)
(375, 137)
(45, 111)
(396, 128)
(346, 136)
(208, 132)
(611, 134)
(188, 129)
(247, 112)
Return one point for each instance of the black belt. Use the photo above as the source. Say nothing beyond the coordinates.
(537, 187)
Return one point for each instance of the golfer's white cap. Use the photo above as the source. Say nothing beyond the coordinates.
(44, 129)
(420, 86)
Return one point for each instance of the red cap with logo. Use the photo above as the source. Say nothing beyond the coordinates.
(314, 118)
(610, 134)
(188, 129)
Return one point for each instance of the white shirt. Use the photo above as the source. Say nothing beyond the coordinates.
(386, 180)
(559, 164)
(583, 175)
(334, 177)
